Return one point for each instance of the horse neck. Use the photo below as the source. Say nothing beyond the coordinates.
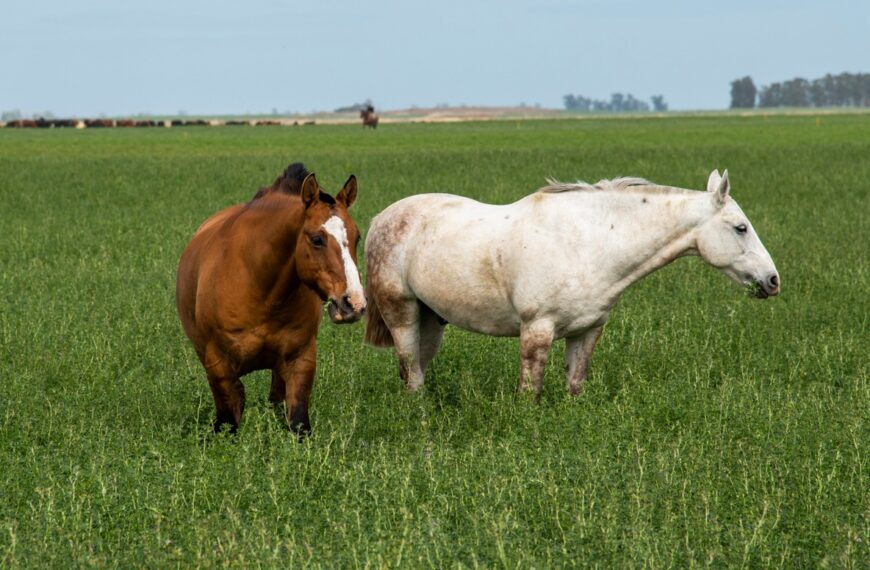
(656, 228)
(275, 224)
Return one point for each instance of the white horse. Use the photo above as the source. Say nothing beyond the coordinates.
(549, 266)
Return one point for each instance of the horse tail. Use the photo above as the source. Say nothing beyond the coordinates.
(377, 333)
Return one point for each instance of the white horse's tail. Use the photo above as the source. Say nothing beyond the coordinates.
(377, 333)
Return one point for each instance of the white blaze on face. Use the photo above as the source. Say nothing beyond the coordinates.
(334, 226)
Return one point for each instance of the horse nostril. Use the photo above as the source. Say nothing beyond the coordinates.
(774, 281)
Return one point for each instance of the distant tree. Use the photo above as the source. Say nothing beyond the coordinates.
(770, 96)
(10, 115)
(659, 104)
(818, 96)
(864, 86)
(356, 107)
(743, 93)
(843, 90)
(616, 101)
(619, 103)
(796, 93)
(633, 105)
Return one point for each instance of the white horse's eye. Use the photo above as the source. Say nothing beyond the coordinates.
(741, 229)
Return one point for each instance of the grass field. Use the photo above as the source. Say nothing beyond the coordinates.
(715, 429)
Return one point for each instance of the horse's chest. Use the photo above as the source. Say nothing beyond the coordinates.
(264, 346)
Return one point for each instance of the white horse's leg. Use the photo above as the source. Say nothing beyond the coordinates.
(431, 332)
(578, 351)
(403, 319)
(535, 340)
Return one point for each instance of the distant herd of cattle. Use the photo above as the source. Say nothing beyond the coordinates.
(109, 123)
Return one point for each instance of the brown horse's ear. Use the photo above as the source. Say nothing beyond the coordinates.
(348, 193)
(310, 188)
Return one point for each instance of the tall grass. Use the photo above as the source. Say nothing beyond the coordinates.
(714, 430)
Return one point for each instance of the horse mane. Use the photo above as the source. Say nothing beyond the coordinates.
(289, 182)
(624, 183)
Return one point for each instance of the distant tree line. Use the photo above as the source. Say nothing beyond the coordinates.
(356, 107)
(843, 90)
(15, 114)
(618, 103)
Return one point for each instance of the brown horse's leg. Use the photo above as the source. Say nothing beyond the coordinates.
(298, 376)
(227, 391)
(578, 351)
(278, 389)
(535, 341)
(229, 401)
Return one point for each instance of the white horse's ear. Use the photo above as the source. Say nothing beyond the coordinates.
(713, 181)
(723, 189)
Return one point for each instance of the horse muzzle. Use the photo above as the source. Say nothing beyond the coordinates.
(768, 287)
(342, 311)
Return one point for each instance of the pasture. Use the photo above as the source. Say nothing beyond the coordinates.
(715, 429)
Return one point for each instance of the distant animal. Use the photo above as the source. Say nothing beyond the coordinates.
(549, 266)
(251, 284)
(369, 117)
(99, 123)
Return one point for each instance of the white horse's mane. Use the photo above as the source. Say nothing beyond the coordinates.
(625, 183)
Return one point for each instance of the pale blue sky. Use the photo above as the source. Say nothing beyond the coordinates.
(215, 56)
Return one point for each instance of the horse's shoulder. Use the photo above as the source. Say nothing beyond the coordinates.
(218, 219)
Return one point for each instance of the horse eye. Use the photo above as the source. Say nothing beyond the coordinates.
(741, 229)
(317, 241)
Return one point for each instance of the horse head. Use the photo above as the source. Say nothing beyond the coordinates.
(728, 242)
(326, 250)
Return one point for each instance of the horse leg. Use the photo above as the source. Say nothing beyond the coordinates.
(226, 389)
(578, 351)
(298, 379)
(403, 320)
(535, 341)
(278, 389)
(431, 333)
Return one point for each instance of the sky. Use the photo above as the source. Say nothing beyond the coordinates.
(115, 57)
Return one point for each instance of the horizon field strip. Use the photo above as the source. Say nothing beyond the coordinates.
(714, 429)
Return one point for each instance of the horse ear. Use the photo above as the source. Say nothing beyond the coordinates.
(713, 181)
(348, 193)
(723, 189)
(309, 191)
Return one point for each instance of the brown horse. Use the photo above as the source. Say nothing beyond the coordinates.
(369, 117)
(251, 284)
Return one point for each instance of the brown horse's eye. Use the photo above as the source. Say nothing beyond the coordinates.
(318, 241)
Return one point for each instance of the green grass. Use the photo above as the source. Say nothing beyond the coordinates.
(714, 430)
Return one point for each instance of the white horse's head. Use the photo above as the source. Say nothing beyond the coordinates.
(728, 242)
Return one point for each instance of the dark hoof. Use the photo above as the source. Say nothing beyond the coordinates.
(302, 430)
